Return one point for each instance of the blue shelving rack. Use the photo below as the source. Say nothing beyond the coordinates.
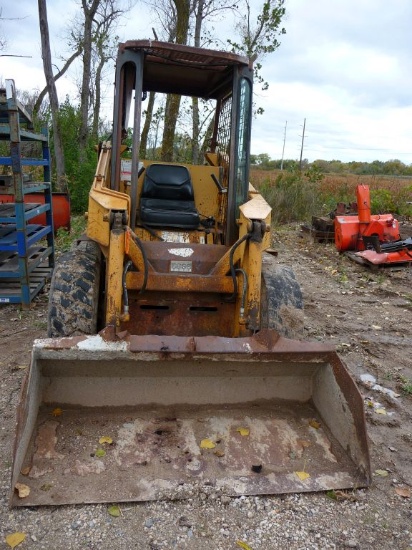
(26, 242)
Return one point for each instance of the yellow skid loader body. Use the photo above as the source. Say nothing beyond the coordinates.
(172, 363)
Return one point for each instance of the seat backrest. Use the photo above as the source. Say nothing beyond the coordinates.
(167, 182)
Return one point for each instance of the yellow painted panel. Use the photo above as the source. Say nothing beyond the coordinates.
(256, 208)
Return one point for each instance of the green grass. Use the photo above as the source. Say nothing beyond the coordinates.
(64, 239)
(405, 385)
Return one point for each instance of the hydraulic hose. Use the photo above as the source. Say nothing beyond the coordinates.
(244, 290)
(232, 267)
(126, 268)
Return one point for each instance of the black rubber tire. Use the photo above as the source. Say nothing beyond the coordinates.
(281, 299)
(74, 292)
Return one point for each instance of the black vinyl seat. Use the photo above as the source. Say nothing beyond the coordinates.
(167, 197)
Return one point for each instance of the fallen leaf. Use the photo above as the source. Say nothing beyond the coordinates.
(342, 495)
(22, 489)
(105, 439)
(302, 475)
(219, 453)
(207, 444)
(100, 453)
(243, 431)
(46, 487)
(303, 443)
(57, 411)
(243, 545)
(25, 471)
(114, 511)
(404, 492)
(380, 410)
(14, 539)
(315, 424)
(382, 473)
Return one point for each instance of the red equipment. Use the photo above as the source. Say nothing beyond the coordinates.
(61, 207)
(352, 232)
(375, 238)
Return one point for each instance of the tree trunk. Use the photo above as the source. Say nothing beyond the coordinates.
(173, 101)
(171, 114)
(39, 100)
(89, 13)
(146, 127)
(195, 101)
(98, 100)
(51, 87)
(195, 130)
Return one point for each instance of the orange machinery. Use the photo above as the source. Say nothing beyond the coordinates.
(375, 238)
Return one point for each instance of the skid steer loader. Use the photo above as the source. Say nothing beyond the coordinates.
(171, 362)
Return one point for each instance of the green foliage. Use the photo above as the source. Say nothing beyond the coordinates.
(79, 175)
(314, 174)
(262, 38)
(389, 168)
(382, 202)
(403, 200)
(405, 385)
(293, 197)
(64, 239)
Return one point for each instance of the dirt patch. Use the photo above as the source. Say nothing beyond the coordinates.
(367, 316)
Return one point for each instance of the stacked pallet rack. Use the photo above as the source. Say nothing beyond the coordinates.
(26, 241)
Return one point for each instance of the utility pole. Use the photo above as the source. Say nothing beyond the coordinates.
(303, 140)
(284, 141)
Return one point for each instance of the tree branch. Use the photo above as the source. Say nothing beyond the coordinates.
(62, 71)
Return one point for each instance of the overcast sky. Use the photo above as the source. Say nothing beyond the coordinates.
(344, 66)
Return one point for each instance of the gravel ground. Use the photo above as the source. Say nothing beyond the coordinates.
(367, 316)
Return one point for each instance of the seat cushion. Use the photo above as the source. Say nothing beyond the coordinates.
(157, 212)
(167, 197)
(169, 182)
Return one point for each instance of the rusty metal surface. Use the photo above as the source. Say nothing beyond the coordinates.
(182, 313)
(203, 257)
(185, 70)
(201, 260)
(158, 397)
(157, 453)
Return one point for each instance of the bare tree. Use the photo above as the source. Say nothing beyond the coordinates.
(104, 48)
(183, 27)
(147, 124)
(94, 33)
(51, 88)
(89, 11)
(257, 38)
(203, 10)
(260, 37)
(173, 100)
(59, 74)
(168, 24)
